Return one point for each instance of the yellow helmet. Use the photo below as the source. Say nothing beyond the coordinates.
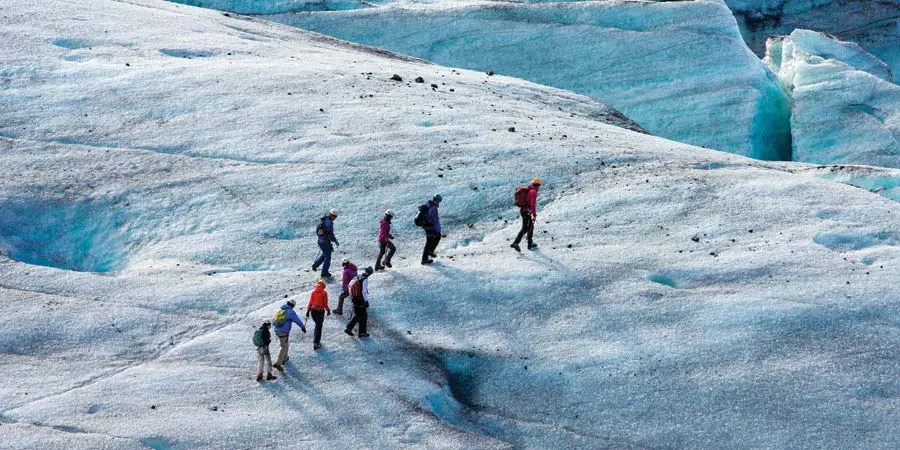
(536, 181)
(322, 282)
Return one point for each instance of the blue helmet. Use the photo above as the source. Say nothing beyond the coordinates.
(437, 197)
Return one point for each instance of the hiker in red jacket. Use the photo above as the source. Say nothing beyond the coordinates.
(348, 274)
(526, 200)
(384, 241)
(317, 307)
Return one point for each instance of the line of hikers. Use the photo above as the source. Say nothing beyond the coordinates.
(355, 284)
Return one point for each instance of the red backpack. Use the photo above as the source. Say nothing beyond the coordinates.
(355, 287)
(521, 198)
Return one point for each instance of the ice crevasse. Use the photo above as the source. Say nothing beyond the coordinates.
(679, 69)
(845, 109)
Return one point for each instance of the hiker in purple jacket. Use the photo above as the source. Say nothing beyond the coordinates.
(432, 229)
(384, 241)
(348, 274)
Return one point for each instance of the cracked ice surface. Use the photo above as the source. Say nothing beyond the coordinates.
(679, 69)
(680, 297)
(845, 109)
(873, 24)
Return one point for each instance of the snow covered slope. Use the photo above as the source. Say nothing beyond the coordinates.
(681, 70)
(874, 24)
(845, 109)
(165, 170)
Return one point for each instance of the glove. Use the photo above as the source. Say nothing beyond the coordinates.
(327, 313)
(304, 329)
(443, 235)
(337, 244)
(307, 314)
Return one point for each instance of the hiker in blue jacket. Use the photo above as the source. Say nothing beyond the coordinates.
(325, 231)
(432, 229)
(283, 322)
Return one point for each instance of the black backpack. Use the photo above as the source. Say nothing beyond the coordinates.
(422, 218)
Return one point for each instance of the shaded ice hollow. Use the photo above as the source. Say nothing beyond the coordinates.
(681, 297)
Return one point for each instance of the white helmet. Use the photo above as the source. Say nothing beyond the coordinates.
(345, 261)
(332, 212)
(389, 213)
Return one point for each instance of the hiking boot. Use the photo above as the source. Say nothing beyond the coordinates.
(515, 247)
(348, 331)
(339, 312)
(532, 246)
(259, 377)
(326, 275)
(279, 367)
(363, 335)
(317, 346)
(271, 377)
(432, 255)
(379, 267)
(315, 268)
(388, 264)
(427, 261)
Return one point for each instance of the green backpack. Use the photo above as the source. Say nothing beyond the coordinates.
(280, 318)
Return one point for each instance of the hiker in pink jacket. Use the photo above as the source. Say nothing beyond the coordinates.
(348, 274)
(384, 241)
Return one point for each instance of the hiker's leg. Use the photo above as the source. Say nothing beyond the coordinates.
(529, 224)
(353, 320)
(284, 341)
(340, 308)
(391, 249)
(381, 249)
(525, 219)
(318, 317)
(321, 258)
(268, 357)
(426, 251)
(261, 355)
(326, 253)
(363, 314)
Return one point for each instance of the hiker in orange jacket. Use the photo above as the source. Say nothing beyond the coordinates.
(318, 307)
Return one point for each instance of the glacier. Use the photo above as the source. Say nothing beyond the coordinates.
(680, 297)
(679, 69)
(845, 108)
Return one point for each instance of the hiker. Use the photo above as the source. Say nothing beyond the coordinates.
(318, 307)
(384, 241)
(359, 294)
(261, 339)
(526, 200)
(348, 274)
(432, 225)
(284, 318)
(325, 231)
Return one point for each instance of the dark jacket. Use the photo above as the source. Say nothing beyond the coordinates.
(262, 337)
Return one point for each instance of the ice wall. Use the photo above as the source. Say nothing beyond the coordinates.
(844, 109)
(681, 70)
(874, 24)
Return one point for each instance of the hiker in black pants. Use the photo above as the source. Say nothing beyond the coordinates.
(359, 294)
(526, 200)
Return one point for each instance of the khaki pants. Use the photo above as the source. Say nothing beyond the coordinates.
(284, 340)
(264, 359)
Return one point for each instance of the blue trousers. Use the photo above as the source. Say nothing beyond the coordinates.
(324, 259)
